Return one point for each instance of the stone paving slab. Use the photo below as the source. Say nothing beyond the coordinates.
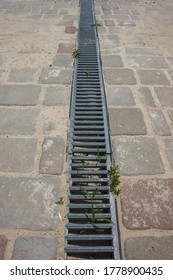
(127, 121)
(119, 76)
(159, 122)
(38, 200)
(56, 76)
(165, 96)
(147, 204)
(17, 121)
(153, 77)
(137, 156)
(120, 96)
(57, 96)
(35, 248)
(20, 95)
(22, 75)
(17, 154)
(146, 97)
(149, 248)
(52, 159)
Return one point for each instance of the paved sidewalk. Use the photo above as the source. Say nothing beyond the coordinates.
(137, 54)
(36, 42)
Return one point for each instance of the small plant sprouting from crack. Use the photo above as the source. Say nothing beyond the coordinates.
(60, 201)
(114, 178)
(96, 25)
(88, 72)
(75, 53)
(92, 218)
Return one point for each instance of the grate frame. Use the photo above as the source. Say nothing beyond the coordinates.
(89, 141)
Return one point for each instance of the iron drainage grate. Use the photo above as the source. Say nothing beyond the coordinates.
(92, 227)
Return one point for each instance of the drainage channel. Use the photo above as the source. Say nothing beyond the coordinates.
(92, 226)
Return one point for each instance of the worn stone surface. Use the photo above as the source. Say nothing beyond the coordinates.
(70, 29)
(66, 48)
(171, 74)
(137, 156)
(17, 121)
(22, 75)
(147, 62)
(143, 51)
(56, 76)
(159, 122)
(3, 244)
(112, 61)
(120, 96)
(146, 97)
(127, 121)
(119, 76)
(109, 22)
(147, 204)
(152, 77)
(37, 198)
(1, 60)
(19, 94)
(165, 96)
(149, 248)
(35, 248)
(17, 155)
(52, 158)
(63, 60)
(57, 96)
(169, 150)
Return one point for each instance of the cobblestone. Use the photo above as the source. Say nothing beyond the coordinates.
(66, 48)
(149, 248)
(119, 76)
(165, 96)
(120, 96)
(63, 61)
(159, 123)
(17, 155)
(153, 77)
(112, 61)
(22, 75)
(146, 97)
(26, 95)
(35, 248)
(37, 198)
(56, 76)
(17, 121)
(52, 159)
(143, 51)
(137, 156)
(128, 121)
(57, 96)
(148, 204)
(147, 62)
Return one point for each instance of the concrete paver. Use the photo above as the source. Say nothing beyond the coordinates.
(20, 95)
(137, 156)
(35, 248)
(146, 97)
(149, 248)
(52, 156)
(120, 96)
(127, 121)
(159, 123)
(38, 200)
